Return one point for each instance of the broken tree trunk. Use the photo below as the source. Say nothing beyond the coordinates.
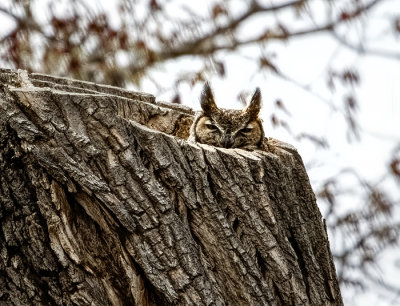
(104, 202)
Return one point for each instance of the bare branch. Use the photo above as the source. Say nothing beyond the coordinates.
(360, 49)
(206, 46)
(7, 12)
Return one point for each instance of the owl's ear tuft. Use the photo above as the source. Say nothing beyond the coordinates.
(207, 101)
(254, 107)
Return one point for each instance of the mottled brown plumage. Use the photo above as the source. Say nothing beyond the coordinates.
(228, 128)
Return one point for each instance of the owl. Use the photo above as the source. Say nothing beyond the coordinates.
(228, 128)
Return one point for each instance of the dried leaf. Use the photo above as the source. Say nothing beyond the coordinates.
(395, 166)
(177, 99)
(351, 102)
(274, 120)
(351, 77)
(154, 5)
(266, 63)
(345, 16)
(396, 24)
(217, 10)
(281, 106)
(220, 67)
(380, 202)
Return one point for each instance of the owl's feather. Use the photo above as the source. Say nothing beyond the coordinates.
(228, 128)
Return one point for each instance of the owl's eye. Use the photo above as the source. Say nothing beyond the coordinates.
(211, 127)
(246, 130)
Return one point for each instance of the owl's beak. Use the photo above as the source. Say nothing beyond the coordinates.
(228, 141)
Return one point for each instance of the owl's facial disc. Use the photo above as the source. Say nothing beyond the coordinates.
(228, 128)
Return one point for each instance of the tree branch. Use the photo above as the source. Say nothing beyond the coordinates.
(7, 12)
(360, 49)
(206, 44)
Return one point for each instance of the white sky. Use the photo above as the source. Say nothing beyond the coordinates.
(305, 59)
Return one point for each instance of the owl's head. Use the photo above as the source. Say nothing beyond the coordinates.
(229, 128)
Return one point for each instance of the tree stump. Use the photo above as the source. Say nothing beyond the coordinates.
(104, 202)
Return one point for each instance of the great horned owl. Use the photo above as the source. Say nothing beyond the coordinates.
(228, 128)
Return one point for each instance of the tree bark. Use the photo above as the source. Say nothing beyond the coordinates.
(104, 202)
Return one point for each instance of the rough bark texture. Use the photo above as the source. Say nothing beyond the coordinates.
(104, 202)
